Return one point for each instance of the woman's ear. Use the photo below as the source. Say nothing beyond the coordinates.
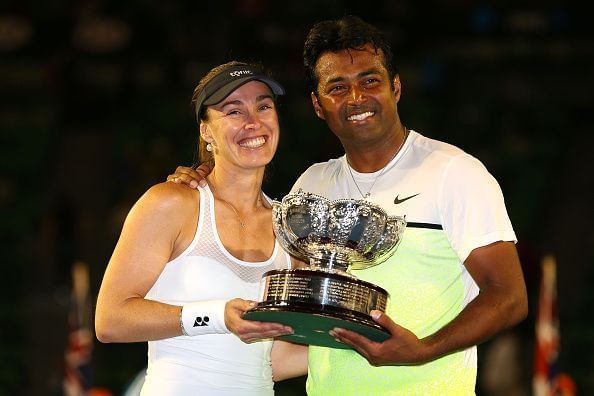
(205, 132)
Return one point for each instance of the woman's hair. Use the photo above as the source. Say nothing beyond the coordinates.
(205, 156)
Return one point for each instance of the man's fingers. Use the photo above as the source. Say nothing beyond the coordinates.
(190, 176)
(188, 180)
(201, 172)
(383, 320)
(204, 169)
(350, 337)
(185, 176)
(357, 342)
(173, 178)
(194, 177)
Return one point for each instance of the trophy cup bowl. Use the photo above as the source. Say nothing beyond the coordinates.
(334, 237)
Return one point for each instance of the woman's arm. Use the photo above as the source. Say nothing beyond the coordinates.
(289, 360)
(297, 264)
(159, 227)
(154, 232)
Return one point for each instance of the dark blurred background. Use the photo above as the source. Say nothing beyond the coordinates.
(95, 108)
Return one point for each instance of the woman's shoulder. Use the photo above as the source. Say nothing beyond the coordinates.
(169, 199)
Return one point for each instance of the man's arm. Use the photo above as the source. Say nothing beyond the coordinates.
(190, 176)
(502, 302)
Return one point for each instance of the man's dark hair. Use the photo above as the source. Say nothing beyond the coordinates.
(347, 33)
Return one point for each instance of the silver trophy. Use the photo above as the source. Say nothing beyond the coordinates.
(334, 237)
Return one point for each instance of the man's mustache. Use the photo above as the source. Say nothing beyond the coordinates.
(353, 110)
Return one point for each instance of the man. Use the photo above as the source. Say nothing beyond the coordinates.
(455, 279)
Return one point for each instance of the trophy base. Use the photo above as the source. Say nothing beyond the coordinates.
(313, 302)
(313, 328)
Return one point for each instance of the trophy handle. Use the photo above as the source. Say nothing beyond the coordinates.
(281, 235)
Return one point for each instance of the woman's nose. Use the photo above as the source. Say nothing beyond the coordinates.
(252, 120)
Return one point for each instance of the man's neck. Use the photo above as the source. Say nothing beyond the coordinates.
(371, 158)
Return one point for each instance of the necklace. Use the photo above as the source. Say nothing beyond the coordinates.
(229, 204)
(368, 194)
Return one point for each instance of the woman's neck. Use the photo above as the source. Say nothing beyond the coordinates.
(242, 189)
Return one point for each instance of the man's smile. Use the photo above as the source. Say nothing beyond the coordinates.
(361, 116)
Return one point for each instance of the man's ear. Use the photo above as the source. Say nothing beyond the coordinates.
(397, 86)
(316, 105)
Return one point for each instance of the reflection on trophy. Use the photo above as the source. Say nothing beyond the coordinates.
(333, 237)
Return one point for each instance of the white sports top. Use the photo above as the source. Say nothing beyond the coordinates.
(452, 206)
(211, 364)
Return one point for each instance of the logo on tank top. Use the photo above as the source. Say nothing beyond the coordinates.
(400, 200)
(201, 321)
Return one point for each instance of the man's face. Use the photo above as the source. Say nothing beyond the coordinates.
(356, 97)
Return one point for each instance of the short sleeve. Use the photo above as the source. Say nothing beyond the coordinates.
(472, 206)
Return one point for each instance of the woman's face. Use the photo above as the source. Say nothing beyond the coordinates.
(243, 129)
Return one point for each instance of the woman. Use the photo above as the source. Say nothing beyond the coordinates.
(188, 262)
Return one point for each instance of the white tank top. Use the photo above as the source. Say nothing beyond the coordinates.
(212, 364)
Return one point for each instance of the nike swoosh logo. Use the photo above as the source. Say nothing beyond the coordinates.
(398, 200)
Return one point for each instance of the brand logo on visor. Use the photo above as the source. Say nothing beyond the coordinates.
(240, 72)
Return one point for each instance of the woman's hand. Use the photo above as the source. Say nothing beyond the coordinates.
(248, 330)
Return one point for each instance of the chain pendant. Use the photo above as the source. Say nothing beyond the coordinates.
(366, 196)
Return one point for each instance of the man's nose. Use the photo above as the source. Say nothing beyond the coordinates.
(356, 95)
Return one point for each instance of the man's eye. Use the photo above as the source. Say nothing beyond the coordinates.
(265, 107)
(233, 112)
(338, 88)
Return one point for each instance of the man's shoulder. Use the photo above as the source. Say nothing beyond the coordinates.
(435, 146)
(432, 151)
(322, 169)
(318, 175)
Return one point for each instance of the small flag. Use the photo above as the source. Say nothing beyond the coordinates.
(547, 380)
(77, 357)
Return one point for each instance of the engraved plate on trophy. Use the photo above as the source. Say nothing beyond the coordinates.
(332, 237)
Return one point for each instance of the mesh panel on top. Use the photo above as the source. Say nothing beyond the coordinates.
(210, 246)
